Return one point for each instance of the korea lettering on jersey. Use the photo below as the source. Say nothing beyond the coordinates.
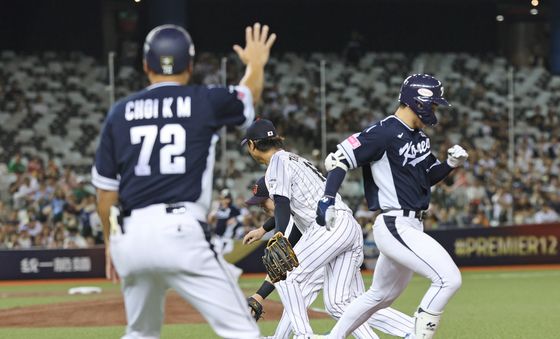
(396, 161)
(157, 145)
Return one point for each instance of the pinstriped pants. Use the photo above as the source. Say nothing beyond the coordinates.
(339, 252)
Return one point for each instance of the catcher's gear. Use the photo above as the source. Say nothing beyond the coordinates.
(326, 214)
(168, 49)
(279, 258)
(419, 92)
(256, 308)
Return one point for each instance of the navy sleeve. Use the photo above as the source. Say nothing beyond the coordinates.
(269, 224)
(334, 180)
(233, 105)
(294, 236)
(362, 148)
(438, 171)
(234, 212)
(281, 213)
(104, 174)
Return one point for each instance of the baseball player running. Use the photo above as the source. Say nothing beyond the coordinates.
(386, 320)
(155, 158)
(294, 184)
(399, 169)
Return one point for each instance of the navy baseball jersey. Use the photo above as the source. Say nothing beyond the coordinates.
(223, 214)
(396, 161)
(157, 145)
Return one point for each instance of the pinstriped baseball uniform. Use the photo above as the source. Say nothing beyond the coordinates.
(338, 253)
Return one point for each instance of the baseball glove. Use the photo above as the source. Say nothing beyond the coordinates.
(279, 258)
(255, 307)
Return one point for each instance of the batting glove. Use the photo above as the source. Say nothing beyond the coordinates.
(456, 156)
(325, 212)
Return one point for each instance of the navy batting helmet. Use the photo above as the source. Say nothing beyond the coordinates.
(420, 92)
(168, 49)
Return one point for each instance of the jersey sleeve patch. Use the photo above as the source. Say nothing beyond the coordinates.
(354, 142)
(246, 97)
(232, 105)
(348, 149)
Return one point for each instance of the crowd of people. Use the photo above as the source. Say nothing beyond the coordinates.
(48, 201)
(49, 206)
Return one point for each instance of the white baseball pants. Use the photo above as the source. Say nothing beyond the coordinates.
(159, 251)
(405, 249)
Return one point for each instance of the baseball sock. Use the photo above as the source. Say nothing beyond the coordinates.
(426, 323)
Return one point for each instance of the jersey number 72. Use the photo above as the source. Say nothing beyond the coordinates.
(170, 159)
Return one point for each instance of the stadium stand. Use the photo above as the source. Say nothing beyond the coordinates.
(54, 104)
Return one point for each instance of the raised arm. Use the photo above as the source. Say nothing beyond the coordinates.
(255, 56)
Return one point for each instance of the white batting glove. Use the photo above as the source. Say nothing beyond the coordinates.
(456, 156)
(326, 214)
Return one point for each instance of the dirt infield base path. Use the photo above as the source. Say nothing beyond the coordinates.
(109, 311)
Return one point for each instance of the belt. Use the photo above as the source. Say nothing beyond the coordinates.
(420, 215)
(174, 208)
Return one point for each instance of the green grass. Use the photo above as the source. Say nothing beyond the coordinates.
(490, 305)
(59, 291)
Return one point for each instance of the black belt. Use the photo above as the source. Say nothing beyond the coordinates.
(173, 208)
(420, 215)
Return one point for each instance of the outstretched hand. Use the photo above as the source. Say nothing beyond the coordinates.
(257, 45)
(253, 236)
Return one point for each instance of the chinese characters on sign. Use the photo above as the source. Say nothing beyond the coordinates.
(58, 264)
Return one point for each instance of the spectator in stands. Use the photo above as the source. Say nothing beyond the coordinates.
(546, 215)
(68, 181)
(52, 170)
(35, 166)
(23, 192)
(480, 219)
(33, 226)
(3, 237)
(43, 193)
(74, 239)
(57, 238)
(12, 241)
(57, 204)
(17, 164)
(24, 239)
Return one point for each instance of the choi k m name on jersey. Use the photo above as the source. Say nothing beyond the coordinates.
(152, 108)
